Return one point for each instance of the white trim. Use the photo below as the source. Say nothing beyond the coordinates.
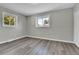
(77, 44)
(3, 14)
(51, 39)
(12, 39)
(40, 38)
(7, 41)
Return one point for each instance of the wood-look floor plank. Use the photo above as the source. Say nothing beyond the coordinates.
(33, 46)
(22, 47)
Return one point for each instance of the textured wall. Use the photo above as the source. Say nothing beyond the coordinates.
(61, 25)
(12, 33)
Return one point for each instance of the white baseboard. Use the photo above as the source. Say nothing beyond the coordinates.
(40, 38)
(51, 39)
(12, 39)
(7, 41)
(77, 44)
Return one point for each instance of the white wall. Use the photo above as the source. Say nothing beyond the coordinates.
(76, 24)
(61, 25)
(13, 33)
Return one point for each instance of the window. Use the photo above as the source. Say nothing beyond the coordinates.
(43, 22)
(40, 22)
(9, 20)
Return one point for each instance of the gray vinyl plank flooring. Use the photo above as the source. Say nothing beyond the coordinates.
(33, 46)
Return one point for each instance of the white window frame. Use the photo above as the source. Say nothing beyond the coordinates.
(6, 13)
(43, 25)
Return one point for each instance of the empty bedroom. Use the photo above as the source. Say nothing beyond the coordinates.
(39, 29)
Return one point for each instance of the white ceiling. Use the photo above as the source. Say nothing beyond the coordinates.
(35, 8)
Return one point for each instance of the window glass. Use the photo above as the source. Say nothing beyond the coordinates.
(43, 22)
(40, 22)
